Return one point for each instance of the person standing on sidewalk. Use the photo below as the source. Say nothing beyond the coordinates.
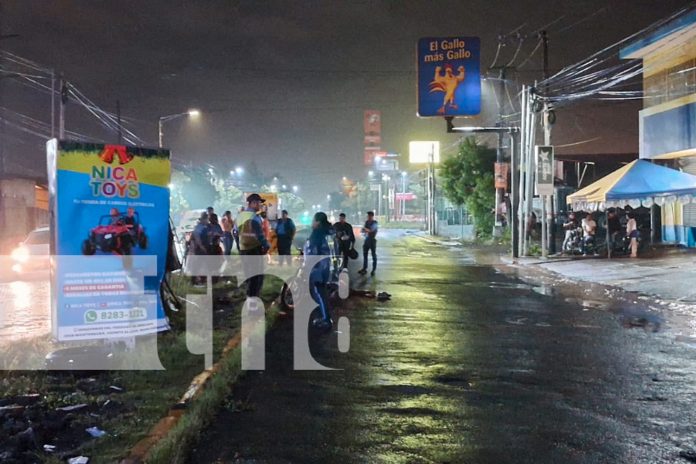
(227, 224)
(633, 233)
(346, 238)
(285, 232)
(252, 242)
(369, 231)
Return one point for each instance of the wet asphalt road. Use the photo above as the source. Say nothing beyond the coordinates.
(464, 365)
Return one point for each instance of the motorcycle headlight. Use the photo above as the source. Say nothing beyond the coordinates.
(20, 254)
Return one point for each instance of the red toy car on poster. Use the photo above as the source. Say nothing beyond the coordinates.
(116, 233)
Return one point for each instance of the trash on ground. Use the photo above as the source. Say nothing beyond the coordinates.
(72, 408)
(95, 432)
(78, 460)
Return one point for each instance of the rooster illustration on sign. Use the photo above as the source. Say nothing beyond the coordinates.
(447, 84)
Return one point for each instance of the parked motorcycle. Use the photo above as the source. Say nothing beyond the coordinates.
(573, 244)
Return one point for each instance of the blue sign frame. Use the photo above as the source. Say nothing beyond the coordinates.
(449, 76)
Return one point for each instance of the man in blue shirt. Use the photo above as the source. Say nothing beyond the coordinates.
(369, 231)
(285, 231)
(252, 242)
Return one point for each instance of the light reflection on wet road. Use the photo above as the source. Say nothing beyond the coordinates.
(25, 307)
(465, 365)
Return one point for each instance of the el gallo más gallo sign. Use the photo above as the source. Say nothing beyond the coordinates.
(449, 76)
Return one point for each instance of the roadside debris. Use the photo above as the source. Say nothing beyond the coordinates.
(78, 460)
(95, 432)
(72, 408)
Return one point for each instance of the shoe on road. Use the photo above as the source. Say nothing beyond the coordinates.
(322, 324)
(372, 273)
(362, 271)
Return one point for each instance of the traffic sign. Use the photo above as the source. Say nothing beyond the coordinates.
(544, 169)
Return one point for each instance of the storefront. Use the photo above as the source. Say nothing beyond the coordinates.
(667, 121)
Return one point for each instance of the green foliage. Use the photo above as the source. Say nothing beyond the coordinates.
(363, 201)
(194, 189)
(229, 197)
(291, 202)
(467, 179)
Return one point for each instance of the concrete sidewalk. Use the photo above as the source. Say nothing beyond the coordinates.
(670, 275)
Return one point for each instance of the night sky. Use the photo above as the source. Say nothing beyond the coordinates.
(286, 83)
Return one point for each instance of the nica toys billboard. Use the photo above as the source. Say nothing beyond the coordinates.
(109, 209)
(449, 76)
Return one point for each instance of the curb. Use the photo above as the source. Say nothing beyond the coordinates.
(140, 452)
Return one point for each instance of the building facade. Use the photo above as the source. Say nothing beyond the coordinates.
(667, 121)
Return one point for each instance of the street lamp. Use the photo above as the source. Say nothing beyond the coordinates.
(295, 188)
(239, 170)
(193, 113)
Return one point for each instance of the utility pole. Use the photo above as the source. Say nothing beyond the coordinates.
(499, 192)
(548, 121)
(63, 102)
(53, 103)
(118, 119)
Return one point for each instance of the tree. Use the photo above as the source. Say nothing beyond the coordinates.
(177, 201)
(229, 197)
(291, 202)
(467, 179)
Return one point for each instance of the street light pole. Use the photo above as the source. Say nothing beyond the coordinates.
(160, 132)
(163, 119)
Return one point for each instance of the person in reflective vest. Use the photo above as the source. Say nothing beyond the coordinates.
(252, 242)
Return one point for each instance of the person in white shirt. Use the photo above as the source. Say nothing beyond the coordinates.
(589, 229)
(633, 233)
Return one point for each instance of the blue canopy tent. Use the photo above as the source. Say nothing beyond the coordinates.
(642, 183)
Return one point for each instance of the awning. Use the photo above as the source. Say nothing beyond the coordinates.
(639, 183)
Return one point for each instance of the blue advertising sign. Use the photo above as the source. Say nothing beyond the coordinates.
(449, 76)
(109, 209)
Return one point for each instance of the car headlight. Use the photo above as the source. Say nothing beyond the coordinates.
(20, 254)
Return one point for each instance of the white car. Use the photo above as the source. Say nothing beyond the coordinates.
(187, 222)
(33, 253)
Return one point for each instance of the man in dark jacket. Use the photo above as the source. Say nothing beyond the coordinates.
(345, 237)
(285, 231)
(369, 231)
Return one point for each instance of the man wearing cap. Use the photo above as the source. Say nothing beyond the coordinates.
(346, 238)
(285, 231)
(252, 242)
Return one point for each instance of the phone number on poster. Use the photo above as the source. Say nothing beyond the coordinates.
(120, 315)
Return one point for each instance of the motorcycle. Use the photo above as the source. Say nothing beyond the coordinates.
(337, 285)
(573, 244)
